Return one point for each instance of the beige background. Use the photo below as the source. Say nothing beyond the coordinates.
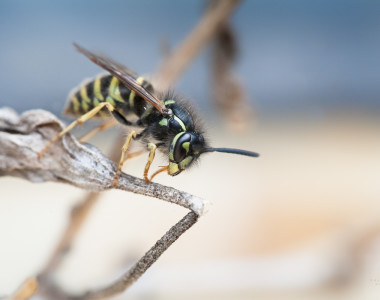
(300, 222)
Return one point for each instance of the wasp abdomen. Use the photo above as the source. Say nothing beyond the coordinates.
(106, 88)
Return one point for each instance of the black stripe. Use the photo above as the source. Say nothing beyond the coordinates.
(80, 100)
(105, 82)
(90, 91)
(124, 92)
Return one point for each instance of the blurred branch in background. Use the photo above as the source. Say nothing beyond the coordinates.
(178, 60)
(26, 290)
(78, 216)
(227, 91)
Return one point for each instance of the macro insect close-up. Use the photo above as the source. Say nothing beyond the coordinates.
(128, 139)
(167, 121)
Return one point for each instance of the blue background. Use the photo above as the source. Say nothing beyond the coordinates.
(295, 55)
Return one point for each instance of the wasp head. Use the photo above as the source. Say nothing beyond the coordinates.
(184, 149)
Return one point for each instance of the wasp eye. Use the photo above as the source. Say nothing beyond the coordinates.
(179, 151)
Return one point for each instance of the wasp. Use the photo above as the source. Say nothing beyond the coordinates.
(168, 123)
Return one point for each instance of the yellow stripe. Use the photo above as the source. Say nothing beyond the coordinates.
(111, 101)
(83, 94)
(114, 90)
(97, 89)
(180, 122)
(76, 103)
(96, 102)
(172, 145)
(85, 106)
(167, 102)
(132, 95)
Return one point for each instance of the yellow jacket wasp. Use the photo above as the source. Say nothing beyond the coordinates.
(169, 122)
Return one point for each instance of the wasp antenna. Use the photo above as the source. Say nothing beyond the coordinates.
(233, 151)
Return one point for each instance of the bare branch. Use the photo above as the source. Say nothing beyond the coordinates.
(68, 161)
(136, 271)
(146, 261)
(21, 139)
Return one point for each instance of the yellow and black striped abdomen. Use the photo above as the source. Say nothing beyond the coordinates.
(106, 89)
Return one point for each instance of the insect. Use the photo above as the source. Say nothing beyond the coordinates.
(167, 123)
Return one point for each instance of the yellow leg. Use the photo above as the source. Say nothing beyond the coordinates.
(152, 147)
(162, 169)
(80, 120)
(134, 154)
(96, 130)
(122, 158)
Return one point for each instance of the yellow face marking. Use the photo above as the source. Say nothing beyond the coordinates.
(167, 102)
(111, 101)
(83, 94)
(97, 89)
(172, 146)
(76, 103)
(114, 90)
(186, 146)
(173, 168)
(132, 94)
(184, 163)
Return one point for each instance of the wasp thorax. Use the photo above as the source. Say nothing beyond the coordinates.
(184, 149)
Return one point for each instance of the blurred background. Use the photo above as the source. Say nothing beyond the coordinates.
(300, 222)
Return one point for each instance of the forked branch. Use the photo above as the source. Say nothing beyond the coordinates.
(68, 161)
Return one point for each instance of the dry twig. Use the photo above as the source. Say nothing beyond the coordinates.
(78, 216)
(68, 161)
(136, 271)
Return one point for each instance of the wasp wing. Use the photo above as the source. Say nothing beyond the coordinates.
(125, 75)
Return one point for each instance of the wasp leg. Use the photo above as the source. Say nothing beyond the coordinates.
(80, 121)
(152, 147)
(96, 130)
(162, 169)
(134, 154)
(122, 158)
